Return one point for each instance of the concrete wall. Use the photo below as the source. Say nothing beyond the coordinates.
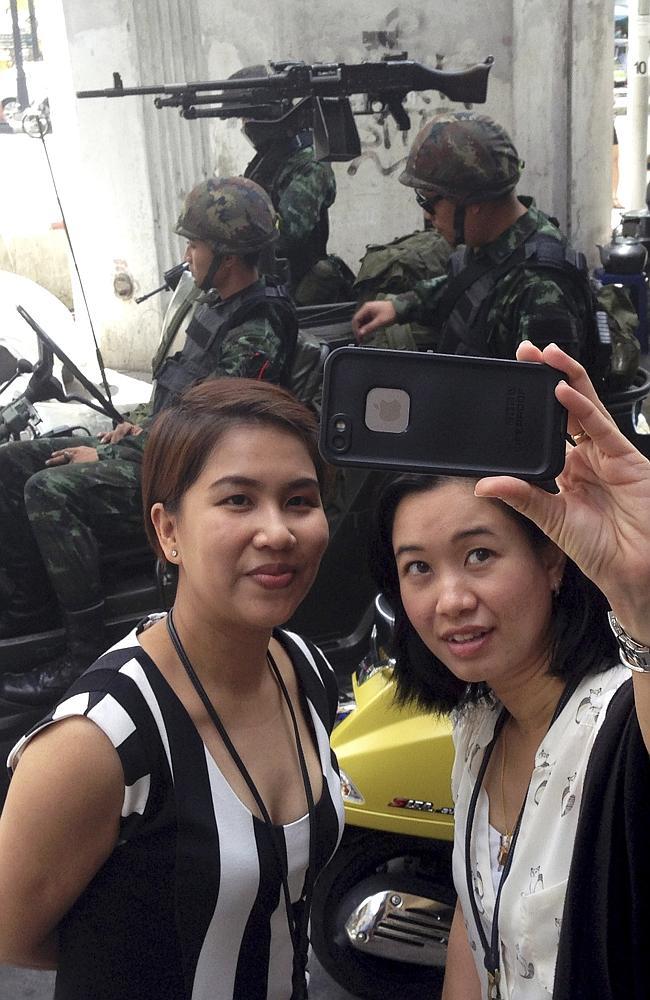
(562, 111)
(550, 86)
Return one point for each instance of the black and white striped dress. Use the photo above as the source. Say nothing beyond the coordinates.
(189, 905)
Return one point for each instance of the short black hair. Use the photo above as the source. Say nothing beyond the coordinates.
(580, 638)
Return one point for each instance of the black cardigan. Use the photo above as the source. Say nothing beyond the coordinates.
(605, 938)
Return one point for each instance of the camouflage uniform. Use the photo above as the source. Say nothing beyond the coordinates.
(468, 159)
(527, 303)
(302, 190)
(55, 521)
(59, 519)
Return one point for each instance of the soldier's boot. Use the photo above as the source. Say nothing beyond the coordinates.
(30, 605)
(44, 685)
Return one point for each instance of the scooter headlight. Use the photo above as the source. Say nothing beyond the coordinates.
(349, 790)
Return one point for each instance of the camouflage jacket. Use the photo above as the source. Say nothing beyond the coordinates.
(261, 345)
(527, 303)
(301, 190)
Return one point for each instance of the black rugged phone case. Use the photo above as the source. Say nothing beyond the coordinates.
(468, 416)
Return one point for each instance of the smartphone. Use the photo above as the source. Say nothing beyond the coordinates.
(442, 414)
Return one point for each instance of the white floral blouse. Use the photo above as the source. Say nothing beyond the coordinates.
(532, 899)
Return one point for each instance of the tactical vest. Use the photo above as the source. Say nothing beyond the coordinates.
(208, 329)
(472, 284)
(265, 169)
(609, 352)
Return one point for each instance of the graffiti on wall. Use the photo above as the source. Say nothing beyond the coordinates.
(382, 143)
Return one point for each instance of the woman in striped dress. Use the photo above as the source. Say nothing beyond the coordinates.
(166, 821)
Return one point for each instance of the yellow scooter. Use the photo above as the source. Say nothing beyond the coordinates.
(382, 908)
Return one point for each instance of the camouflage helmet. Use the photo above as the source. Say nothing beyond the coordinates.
(463, 156)
(233, 214)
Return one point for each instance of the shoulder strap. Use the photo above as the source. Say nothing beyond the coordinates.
(465, 297)
(463, 278)
(468, 296)
(271, 293)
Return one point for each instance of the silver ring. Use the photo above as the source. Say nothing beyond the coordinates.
(66, 454)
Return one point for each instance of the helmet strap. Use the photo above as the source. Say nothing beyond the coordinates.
(206, 285)
(459, 224)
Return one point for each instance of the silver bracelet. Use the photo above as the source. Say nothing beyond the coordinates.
(633, 654)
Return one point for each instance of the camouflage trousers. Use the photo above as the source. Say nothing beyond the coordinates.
(55, 522)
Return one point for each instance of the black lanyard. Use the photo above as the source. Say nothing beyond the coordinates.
(298, 914)
(491, 949)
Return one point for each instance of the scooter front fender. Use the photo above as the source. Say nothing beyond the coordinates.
(396, 764)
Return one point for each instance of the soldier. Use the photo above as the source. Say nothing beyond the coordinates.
(516, 280)
(302, 191)
(61, 503)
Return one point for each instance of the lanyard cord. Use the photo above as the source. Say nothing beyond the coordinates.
(491, 950)
(297, 922)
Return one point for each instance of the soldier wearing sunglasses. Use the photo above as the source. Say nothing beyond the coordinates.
(514, 278)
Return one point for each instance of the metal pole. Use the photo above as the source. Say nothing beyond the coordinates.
(637, 99)
(33, 27)
(21, 82)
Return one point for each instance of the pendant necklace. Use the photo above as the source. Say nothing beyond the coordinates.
(505, 839)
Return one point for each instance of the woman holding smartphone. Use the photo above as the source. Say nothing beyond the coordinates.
(165, 823)
(502, 593)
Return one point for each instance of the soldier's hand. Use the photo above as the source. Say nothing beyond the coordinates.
(125, 429)
(372, 316)
(71, 456)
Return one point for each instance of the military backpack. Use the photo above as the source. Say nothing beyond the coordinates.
(393, 268)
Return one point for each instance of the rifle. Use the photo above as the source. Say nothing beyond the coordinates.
(321, 93)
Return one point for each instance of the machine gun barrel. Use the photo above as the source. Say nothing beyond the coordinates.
(392, 75)
(321, 93)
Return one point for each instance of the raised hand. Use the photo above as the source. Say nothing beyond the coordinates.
(601, 516)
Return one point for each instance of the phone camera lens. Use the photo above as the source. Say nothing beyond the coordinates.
(338, 442)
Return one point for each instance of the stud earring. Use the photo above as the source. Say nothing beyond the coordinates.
(174, 553)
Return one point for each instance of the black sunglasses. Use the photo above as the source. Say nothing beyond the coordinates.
(428, 203)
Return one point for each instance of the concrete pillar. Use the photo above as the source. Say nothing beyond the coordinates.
(562, 93)
(589, 143)
(638, 56)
